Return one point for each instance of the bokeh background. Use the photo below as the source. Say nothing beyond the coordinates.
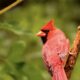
(20, 48)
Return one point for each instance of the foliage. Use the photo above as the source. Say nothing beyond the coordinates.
(20, 49)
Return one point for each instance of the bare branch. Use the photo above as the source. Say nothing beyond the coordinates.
(73, 54)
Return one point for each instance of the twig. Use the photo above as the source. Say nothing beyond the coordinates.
(73, 54)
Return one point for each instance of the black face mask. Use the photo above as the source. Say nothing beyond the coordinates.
(44, 39)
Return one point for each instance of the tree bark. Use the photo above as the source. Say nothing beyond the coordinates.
(73, 54)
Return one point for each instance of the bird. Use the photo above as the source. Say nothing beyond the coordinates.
(55, 49)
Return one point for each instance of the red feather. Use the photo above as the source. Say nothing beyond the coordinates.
(55, 48)
(49, 26)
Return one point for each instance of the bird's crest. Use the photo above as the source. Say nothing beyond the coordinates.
(49, 26)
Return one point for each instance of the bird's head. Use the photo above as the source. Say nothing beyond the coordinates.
(43, 33)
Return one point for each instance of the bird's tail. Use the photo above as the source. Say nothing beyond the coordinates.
(59, 73)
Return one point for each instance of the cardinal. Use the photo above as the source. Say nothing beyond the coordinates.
(54, 51)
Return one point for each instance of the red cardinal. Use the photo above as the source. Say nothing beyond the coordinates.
(55, 49)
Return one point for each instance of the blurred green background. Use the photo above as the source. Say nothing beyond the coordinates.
(20, 48)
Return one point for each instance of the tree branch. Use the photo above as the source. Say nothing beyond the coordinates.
(73, 54)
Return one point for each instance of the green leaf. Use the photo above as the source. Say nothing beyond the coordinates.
(16, 53)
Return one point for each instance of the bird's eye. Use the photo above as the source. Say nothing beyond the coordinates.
(7, 4)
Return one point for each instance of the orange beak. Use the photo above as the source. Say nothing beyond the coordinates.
(41, 34)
